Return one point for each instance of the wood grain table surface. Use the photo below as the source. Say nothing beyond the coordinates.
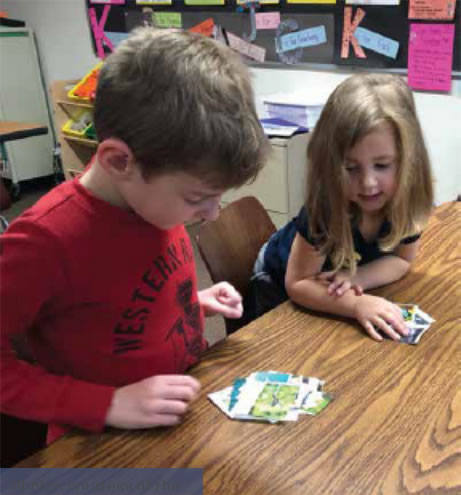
(393, 428)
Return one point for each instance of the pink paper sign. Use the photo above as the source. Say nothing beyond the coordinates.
(432, 9)
(430, 56)
(267, 20)
(248, 49)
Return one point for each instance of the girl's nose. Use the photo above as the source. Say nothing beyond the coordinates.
(369, 180)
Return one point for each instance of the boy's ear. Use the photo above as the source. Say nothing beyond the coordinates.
(116, 158)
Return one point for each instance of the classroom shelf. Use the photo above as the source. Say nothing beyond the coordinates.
(76, 152)
(84, 142)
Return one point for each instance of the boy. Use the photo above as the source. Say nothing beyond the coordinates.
(100, 273)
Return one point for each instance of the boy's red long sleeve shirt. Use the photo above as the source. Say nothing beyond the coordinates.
(105, 300)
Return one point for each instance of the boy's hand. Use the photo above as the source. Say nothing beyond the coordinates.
(223, 299)
(156, 401)
(372, 311)
(339, 283)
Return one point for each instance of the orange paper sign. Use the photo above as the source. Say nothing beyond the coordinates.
(206, 27)
(432, 9)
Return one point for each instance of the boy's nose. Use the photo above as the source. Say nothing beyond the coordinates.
(211, 211)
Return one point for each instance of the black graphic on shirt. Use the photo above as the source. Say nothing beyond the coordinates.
(128, 332)
(185, 334)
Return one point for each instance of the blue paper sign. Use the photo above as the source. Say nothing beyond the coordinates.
(115, 37)
(299, 39)
(377, 42)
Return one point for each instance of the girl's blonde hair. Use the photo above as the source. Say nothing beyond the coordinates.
(359, 105)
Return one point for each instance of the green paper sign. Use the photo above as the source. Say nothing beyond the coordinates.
(167, 19)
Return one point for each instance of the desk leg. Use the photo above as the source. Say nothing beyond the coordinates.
(15, 189)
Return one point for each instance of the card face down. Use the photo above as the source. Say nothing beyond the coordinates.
(417, 322)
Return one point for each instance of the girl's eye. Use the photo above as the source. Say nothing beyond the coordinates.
(193, 202)
(382, 166)
(351, 169)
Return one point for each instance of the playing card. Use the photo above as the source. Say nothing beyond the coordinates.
(271, 396)
(417, 322)
(421, 319)
(275, 402)
(408, 312)
(221, 399)
(315, 402)
(414, 335)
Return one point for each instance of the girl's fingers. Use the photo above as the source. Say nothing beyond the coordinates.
(386, 328)
(398, 325)
(333, 286)
(358, 290)
(372, 331)
(343, 287)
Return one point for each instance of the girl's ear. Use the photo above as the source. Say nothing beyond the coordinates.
(116, 158)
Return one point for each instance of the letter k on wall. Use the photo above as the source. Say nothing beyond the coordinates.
(348, 33)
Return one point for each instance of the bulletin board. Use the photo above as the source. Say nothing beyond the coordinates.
(301, 34)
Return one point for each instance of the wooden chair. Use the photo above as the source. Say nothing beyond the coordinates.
(229, 245)
(19, 439)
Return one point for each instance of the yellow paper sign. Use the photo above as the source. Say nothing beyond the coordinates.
(311, 1)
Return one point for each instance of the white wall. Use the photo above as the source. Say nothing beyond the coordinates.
(63, 37)
(440, 117)
(62, 33)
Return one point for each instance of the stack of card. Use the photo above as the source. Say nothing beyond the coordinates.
(417, 322)
(272, 396)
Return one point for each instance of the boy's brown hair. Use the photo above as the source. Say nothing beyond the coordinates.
(182, 103)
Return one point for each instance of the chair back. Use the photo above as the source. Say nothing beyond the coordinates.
(229, 245)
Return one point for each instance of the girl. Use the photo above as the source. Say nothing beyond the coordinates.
(369, 196)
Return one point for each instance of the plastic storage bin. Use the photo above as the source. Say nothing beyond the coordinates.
(85, 90)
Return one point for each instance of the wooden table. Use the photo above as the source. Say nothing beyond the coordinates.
(394, 427)
(10, 131)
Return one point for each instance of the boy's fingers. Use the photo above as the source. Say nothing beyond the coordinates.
(180, 392)
(231, 300)
(163, 406)
(181, 381)
(232, 311)
(164, 420)
(227, 290)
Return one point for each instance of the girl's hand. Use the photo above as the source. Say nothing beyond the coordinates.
(339, 283)
(223, 299)
(374, 313)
